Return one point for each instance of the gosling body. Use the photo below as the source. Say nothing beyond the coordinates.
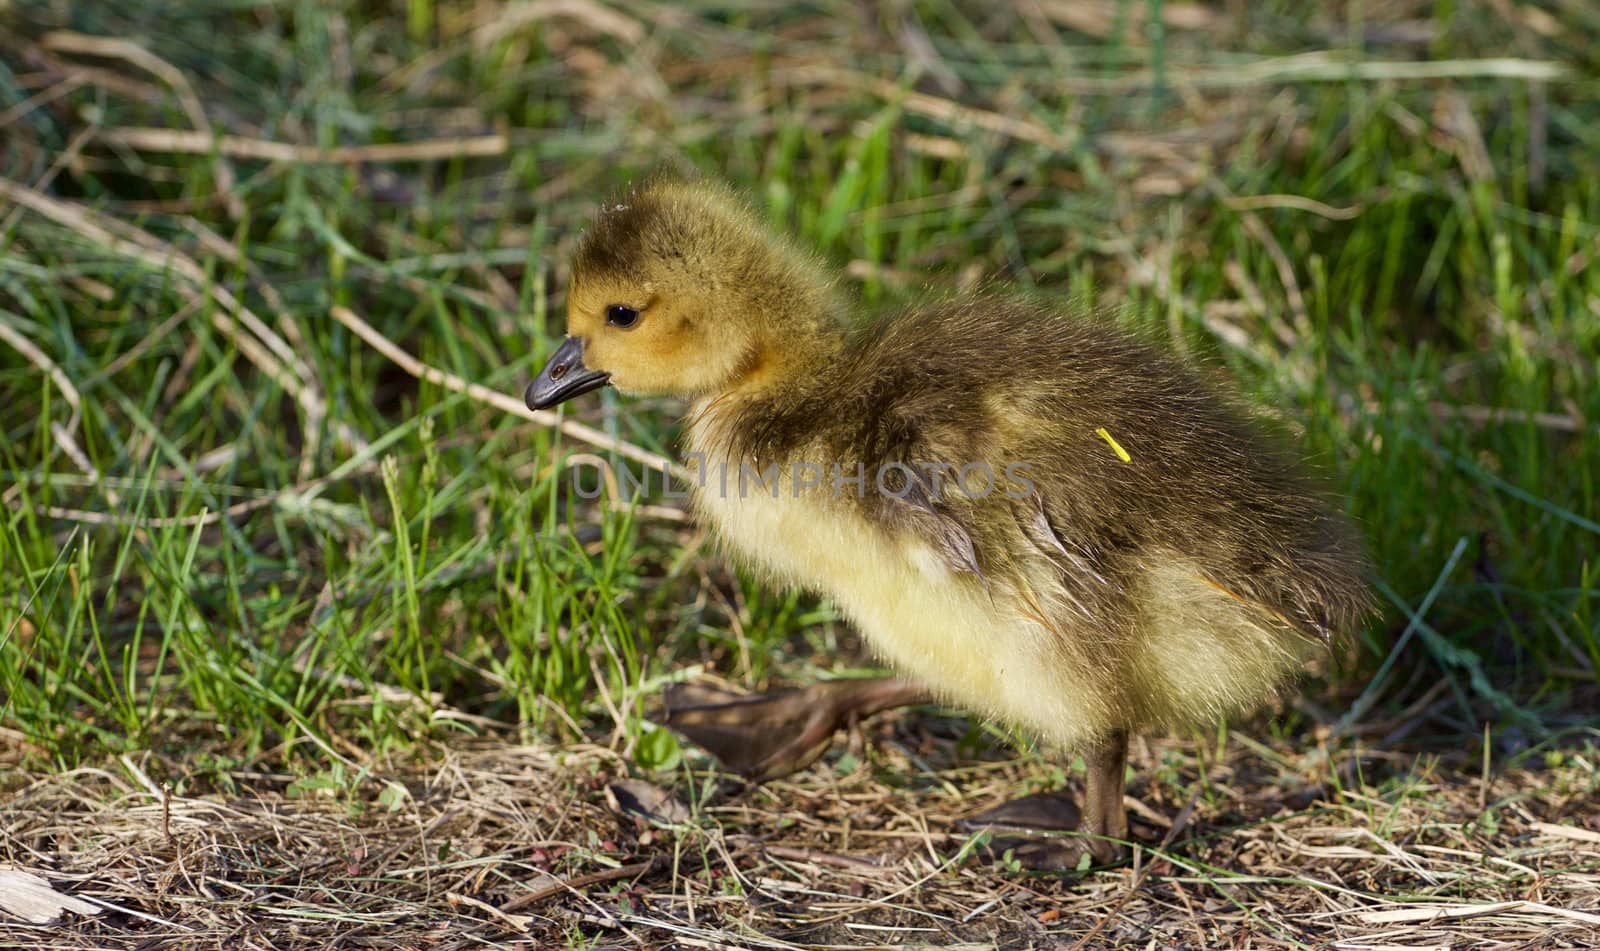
(1091, 539)
(1027, 511)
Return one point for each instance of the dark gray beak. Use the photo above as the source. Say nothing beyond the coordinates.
(564, 377)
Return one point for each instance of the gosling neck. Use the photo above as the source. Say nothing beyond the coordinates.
(773, 386)
(782, 360)
(795, 320)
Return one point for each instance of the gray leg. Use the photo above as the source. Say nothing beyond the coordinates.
(1101, 819)
(1103, 813)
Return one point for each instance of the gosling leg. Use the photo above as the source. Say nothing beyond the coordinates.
(1104, 816)
(1101, 821)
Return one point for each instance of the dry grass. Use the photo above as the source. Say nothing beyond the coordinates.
(1382, 215)
(503, 844)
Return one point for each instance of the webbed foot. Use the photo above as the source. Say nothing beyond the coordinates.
(1038, 812)
(1102, 821)
(1056, 854)
(765, 736)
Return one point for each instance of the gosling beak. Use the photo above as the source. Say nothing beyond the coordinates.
(564, 377)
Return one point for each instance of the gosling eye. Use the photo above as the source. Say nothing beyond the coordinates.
(622, 316)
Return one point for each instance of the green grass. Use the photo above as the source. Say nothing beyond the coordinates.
(405, 564)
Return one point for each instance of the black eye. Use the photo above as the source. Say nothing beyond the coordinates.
(621, 315)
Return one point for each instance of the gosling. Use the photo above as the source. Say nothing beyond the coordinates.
(1027, 513)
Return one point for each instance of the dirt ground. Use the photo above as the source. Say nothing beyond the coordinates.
(504, 845)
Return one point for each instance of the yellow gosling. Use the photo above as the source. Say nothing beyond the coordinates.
(1025, 511)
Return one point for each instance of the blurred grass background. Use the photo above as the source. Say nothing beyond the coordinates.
(234, 533)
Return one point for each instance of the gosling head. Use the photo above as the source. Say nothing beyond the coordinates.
(679, 289)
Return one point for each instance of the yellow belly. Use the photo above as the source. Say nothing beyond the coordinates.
(944, 630)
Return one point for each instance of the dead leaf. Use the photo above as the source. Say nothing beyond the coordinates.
(29, 897)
